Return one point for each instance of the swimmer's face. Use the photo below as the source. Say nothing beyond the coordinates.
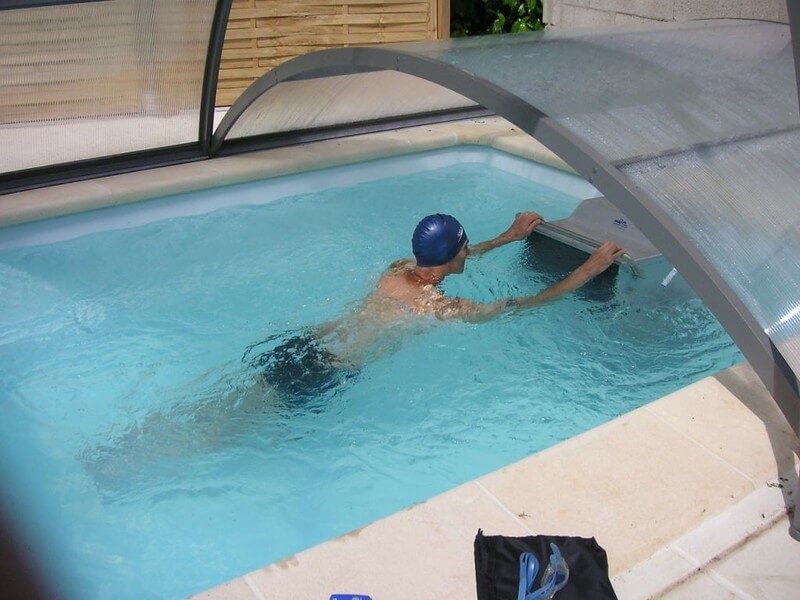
(460, 259)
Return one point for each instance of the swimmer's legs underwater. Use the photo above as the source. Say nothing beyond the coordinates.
(292, 372)
(209, 419)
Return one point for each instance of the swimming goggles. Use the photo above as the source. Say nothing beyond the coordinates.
(554, 578)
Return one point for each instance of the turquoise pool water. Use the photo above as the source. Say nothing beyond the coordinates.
(138, 473)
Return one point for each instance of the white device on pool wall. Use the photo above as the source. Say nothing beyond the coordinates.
(596, 220)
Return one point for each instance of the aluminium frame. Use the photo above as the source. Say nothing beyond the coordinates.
(650, 218)
(25, 179)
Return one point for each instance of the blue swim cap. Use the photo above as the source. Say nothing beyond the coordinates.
(437, 239)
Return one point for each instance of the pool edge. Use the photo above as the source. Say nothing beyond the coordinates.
(81, 196)
(664, 488)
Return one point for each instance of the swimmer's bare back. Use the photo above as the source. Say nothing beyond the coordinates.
(401, 284)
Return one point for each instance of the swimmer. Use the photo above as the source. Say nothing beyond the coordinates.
(298, 370)
(317, 360)
(441, 248)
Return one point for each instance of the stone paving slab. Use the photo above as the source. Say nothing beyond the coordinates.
(681, 560)
(767, 566)
(602, 484)
(655, 492)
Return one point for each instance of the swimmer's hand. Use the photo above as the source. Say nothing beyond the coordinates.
(600, 260)
(523, 225)
(521, 228)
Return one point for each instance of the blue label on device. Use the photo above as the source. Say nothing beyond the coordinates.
(349, 597)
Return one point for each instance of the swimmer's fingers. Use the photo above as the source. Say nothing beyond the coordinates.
(610, 248)
(614, 249)
(534, 223)
(601, 259)
(524, 224)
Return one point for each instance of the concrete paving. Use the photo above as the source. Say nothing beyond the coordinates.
(679, 508)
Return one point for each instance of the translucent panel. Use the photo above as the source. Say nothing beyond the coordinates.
(324, 101)
(740, 204)
(86, 80)
(643, 91)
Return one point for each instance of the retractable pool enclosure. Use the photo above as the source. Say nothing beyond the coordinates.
(99, 87)
(691, 129)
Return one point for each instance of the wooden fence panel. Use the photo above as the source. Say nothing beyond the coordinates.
(264, 33)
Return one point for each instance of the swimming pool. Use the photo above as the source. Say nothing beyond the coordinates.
(140, 474)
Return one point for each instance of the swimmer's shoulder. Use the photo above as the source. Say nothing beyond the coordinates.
(394, 282)
(401, 265)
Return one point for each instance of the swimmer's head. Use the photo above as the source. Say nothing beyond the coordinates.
(438, 240)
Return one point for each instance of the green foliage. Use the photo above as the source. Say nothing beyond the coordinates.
(476, 17)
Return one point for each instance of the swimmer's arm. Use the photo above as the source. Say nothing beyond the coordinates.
(476, 312)
(523, 224)
(480, 312)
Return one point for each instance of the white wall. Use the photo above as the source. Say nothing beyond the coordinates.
(599, 13)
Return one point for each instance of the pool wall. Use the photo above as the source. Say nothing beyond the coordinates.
(643, 484)
(135, 214)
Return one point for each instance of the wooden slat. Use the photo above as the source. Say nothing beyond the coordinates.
(419, 7)
(420, 28)
(269, 46)
(265, 33)
(309, 24)
(442, 14)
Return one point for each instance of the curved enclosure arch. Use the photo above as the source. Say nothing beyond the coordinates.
(691, 129)
(288, 106)
(99, 88)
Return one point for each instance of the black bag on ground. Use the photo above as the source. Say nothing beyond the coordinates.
(497, 566)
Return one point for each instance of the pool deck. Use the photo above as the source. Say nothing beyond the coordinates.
(688, 494)
(680, 493)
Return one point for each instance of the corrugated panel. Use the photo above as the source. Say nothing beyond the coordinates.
(740, 203)
(327, 101)
(88, 80)
(265, 33)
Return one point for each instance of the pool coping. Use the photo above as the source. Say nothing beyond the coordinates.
(718, 485)
(727, 440)
(81, 196)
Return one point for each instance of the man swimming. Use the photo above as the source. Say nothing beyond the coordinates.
(300, 369)
(317, 360)
(441, 247)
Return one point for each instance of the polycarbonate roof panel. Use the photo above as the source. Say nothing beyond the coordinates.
(338, 99)
(642, 91)
(740, 203)
(703, 117)
(88, 80)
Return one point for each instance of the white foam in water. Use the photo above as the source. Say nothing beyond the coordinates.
(143, 472)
